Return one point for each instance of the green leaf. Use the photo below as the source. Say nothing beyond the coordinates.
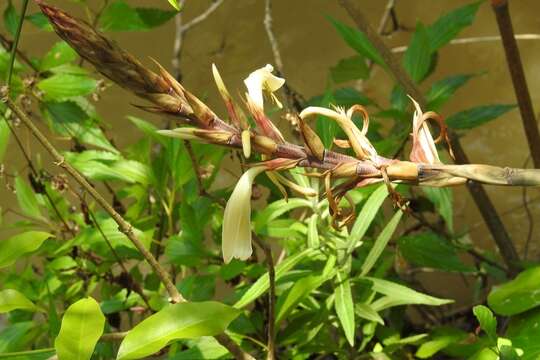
(351, 68)
(19, 245)
(27, 199)
(275, 210)
(358, 41)
(449, 25)
(15, 337)
(61, 53)
(344, 305)
(178, 321)
(11, 18)
(40, 354)
(381, 242)
(477, 116)
(119, 16)
(430, 250)
(366, 216)
(417, 58)
(11, 299)
(440, 339)
(523, 331)
(175, 4)
(313, 232)
(4, 137)
(403, 294)
(366, 311)
(82, 326)
(61, 87)
(517, 295)
(40, 20)
(205, 347)
(487, 321)
(261, 285)
(441, 91)
(442, 199)
(298, 292)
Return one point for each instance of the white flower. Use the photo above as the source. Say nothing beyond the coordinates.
(236, 234)
(263, 79)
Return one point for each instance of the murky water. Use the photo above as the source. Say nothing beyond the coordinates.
(234, 38)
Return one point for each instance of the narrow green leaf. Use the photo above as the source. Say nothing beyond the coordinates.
(261, 285)
(40, 354)
(27, 199)
(298, 292)
(366, 311)
(61, 53)
(477, 116)
(417, 58)
(440, 339)
(487, 321)
(19, 245)
(441, 91)
(119, 16)
(344, 305)
(449, 25)
(313, 232)
(40, 21)
(61, 87)
(517, 295)
(351, 68)
(381, 242)
(442, 199)
(430, 250)
(403, 294)
(358, 41)
(178, 321)
(82, 326)
(366, 216)
(11, 18)
(11, 299)
(276, 209)
(4, 137)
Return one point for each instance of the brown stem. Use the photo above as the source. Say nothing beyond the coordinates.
(479, 195)
(515, 66)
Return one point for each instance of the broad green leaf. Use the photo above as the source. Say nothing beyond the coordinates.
(11, 299)
(61, 87)
(61, 53)
(182, 250)
(442, 199)
(381, 242)
(358, 41)
(40, 20)
(261, 285)
(439, 340)
(19, 245)
(517, 295)
(4, 137)
(430, 250)
(276, 209)
(404, 294)
(351, 68)
(11, 18)
(441, 91)
(119, 16)
(344, 305)
(15, 337)
(417, 58)
(477, 116)
(298, 292)
(27, 199)
(366, 216)
(82, 326)
(178, 321)
(205, 347)
(366, 311)
(523, 331)
(449, 25)
(487, 321)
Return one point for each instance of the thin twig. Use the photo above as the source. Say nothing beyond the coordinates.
(124, 226)
(529, 216)
(492, 219)
(271, 296)
(16, 43)
(203, 16)
(515, 67)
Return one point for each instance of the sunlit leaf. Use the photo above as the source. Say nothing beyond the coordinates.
(178, 321)
(366, 311)
(65, 86)
(301, 288)
(19, 245)
(404, 294)
(344, 305)
(477, 116)
(443, 200)
(61, 53)
(487, 321)
(27, 199)
(82, 326)
(119, 16)
(4, 137)
(11, 299)
(439, 340)
(523, 331)
(517, 295)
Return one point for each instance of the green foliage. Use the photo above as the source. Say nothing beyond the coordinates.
(518, 295)
(477, 116)
(11, 299)
(119, 16)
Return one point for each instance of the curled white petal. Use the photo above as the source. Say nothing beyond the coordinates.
(236, 233)
(263, 80)
(424, 135)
